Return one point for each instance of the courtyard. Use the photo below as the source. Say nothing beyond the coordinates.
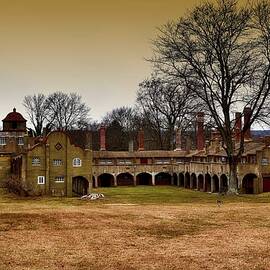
(136, 228)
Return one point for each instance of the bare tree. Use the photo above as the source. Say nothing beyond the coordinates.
(221, 50)
(122, 125)
(66, 111)
(36, 109)
(123, 115)
(167, 104)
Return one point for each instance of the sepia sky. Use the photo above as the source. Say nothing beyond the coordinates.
(94, 47)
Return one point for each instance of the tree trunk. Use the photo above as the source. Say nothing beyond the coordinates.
(233, 181)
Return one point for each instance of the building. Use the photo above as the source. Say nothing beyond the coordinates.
(54, 165)
(63, 164)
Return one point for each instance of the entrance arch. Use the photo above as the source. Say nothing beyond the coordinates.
(163, 179)
(223, 183)
(207, 183)
(125, 179)
(200, 182)
(187, 180)
(175, 180)
(216, 184)
(80, 186)
(144, 179)
(248, 183)
(194, 181)
(106, 180)
(181, 179)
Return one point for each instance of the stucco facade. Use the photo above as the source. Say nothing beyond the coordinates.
(55, 166)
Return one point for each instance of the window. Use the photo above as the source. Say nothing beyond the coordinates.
(264, 161)
(253, 159)
(36, 161)
(41, 180)
(59, 179)
(163, 161)
(3, 140)
(105, 162)
(20, 141)
(124, 162)
(179, 160)
(57, 162)
(77, 162)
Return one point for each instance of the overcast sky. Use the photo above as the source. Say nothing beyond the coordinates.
(93, 47)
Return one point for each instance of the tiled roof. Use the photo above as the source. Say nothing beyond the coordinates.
(14, 117)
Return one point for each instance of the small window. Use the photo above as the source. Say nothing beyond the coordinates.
(105, 162)
(77, 162)
(36, 161)
(57, 162)
(163, 161)
(41, 180)
(59, 179)
(124, 162)
(20, 141)
(3, 140)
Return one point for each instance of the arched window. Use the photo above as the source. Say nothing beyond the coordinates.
(77, 162)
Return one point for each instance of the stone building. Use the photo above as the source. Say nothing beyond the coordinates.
(63, 164)
(53, 165)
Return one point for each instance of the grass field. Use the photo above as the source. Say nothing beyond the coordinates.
(136, 228)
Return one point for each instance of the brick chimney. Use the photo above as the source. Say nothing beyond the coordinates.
(200, 131)
(238, 126)
(102, 138)
(247, 116)
(141, 140)
(216, 140)
(178, 140)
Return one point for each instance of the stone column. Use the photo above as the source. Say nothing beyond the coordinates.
(114, 180)
(153, 179)
(212, 185)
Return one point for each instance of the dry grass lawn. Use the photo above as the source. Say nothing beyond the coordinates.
(136, 228)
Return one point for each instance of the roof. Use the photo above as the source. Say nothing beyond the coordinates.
(14, 117)
(138, 154)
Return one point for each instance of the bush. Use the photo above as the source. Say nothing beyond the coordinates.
(15, 185)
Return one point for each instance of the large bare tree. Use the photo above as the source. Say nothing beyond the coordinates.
(221, 50)
(56, 111)
(66, 111)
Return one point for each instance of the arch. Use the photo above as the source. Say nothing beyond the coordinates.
(144, 179)
(175, 179)
(106, 180)
(194, 181)
(215, 183)
(125, 179)
(181, 179)
(248, 183)
(187, 180)
(163, 178)
(200, 182)
(80, 186)
(93, 182)
(223, 183)
(207, 183)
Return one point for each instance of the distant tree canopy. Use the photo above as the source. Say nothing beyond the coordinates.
(56, 111)
(167, 105)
